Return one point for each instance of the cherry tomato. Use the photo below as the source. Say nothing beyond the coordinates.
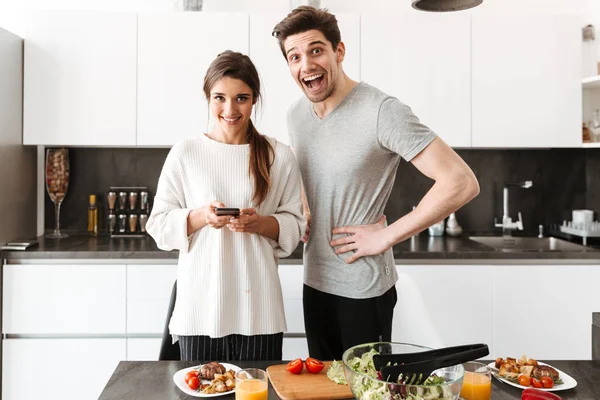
(535, 383)
(295, 366)
(524, 380)
(190, 374)
(193, 383)
(547, 382)
(313, 365)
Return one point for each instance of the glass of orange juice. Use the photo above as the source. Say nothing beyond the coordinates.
(477, 383)
(251, 384)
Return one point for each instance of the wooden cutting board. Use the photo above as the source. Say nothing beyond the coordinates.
(306, 386)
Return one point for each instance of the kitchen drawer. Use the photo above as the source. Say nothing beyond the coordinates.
(148, 293)
(64, 299)
(65, 369)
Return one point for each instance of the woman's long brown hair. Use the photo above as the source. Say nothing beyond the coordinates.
(239, 66)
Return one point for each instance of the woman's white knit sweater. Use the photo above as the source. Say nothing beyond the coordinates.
(227, 282)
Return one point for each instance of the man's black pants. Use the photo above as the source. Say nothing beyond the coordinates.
(334, 323)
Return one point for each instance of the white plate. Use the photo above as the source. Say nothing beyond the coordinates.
(568, 382)
(179, 379)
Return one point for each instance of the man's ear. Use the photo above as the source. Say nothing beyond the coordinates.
(340, 51)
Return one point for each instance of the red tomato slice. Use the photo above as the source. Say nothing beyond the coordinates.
(295, 366)
(313, 365)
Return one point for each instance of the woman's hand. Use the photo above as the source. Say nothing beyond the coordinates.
(213, 220)
(248, 221)
(308, 223)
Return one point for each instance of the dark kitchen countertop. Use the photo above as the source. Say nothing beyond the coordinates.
(148, 380)
(423, 247)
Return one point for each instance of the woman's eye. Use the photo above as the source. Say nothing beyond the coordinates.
(240, 99)
(218, 98)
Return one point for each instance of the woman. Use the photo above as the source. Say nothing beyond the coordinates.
(229, 304)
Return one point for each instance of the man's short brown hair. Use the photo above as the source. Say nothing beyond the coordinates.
(306, 18)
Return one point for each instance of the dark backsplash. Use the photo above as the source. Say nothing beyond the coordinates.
(563, 180)
(94, 171)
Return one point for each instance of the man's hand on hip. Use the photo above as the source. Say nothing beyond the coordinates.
(365, 240)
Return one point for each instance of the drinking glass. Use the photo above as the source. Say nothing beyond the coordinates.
(57, 183)
(477, 382)
(251, 384)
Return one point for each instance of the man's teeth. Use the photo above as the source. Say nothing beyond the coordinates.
(312, 77)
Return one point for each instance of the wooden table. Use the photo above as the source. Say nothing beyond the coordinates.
(153, 380)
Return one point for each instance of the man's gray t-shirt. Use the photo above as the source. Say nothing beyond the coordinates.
(348, 162)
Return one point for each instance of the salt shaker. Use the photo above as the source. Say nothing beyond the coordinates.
(122, 200)
(452, 226)
(122, 223)
(143, 220)
(112, 222)
(144, 201)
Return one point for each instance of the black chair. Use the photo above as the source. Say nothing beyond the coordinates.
(169, 351)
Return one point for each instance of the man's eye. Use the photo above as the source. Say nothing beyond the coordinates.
(316, 51)
(293, 58)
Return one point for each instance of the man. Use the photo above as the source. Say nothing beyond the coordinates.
(348, 138)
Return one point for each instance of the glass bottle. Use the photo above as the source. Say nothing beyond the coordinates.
(93, 216)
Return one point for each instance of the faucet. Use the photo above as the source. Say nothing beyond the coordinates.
(507, 224)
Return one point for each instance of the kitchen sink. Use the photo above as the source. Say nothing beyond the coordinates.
(528, 243)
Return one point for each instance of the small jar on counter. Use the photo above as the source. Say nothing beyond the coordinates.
(93, 216)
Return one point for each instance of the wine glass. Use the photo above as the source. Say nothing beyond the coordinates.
(57, 183)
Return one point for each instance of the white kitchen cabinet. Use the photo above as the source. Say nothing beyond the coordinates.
(58, 369)
(148, 293)
(80, 79)
(294, 348)
(64, 299)
(279, 88)
(292, 283)
(526, 81)
(424, 61)
(545, 311)
(143, 349)
(174, 52)
(454, 300)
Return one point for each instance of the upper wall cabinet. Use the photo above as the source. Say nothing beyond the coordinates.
(279, 88)
(424, 61)
(526, 81)
(174, 52)
(80, 79)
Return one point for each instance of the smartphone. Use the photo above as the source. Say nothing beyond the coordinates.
(220, 211)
